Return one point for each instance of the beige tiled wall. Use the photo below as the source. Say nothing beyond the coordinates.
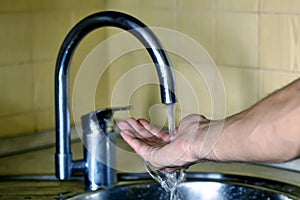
(30, 36)
(255, 44)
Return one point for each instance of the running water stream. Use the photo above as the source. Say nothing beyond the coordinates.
(170, 108)
(169, 181)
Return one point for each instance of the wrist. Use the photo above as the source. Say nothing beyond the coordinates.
(231, 143)
(207, 143)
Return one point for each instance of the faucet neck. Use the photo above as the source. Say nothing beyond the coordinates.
(90, 23)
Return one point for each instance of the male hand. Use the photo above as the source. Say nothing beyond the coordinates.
(156, 147)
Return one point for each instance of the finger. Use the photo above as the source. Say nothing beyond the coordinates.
(126, 127)
(155, 131)
(123, 125)
(133, 141)
(139, 128)
(138, 145)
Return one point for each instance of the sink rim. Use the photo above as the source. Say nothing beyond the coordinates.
(134, 179)
(264, 184)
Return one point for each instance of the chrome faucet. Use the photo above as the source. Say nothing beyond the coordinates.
(64, 165)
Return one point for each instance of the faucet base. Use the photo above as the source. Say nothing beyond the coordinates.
(62, 163)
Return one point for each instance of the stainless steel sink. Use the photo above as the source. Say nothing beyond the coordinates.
(38, 187)
(199, 186)
(202, 186)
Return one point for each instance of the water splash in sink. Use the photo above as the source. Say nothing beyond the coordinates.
(168, 180)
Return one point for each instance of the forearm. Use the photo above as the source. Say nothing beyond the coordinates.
(269, 131)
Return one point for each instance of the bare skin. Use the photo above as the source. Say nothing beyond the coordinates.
(269, 131)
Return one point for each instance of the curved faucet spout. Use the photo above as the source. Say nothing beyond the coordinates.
(162, 63)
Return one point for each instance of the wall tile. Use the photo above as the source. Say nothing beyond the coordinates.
(270, 41)
(79, 5)
(236, 39)
(78, 15)
(241, 88)
(116, 4)
(44, 85)
(200, 26)
(270, 81)
(279, 44)
(91, 87)
(283, 6)
(158, 18)
(120, 70)
(18, 124)
(157, 4)
(237, 5)
(86, 46)
(47, 5)
(15, 38)
(133, 81)
(196, 4)
(49, 31)
(45, 119)
(17, 92)
(33, 33)
(193, 93)
(85, 53)
(146, 102)
(13, 6)
(232, 31)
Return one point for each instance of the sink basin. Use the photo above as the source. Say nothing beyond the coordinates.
(200, 186)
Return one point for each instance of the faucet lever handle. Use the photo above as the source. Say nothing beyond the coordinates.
(104, 116)
(108, 112)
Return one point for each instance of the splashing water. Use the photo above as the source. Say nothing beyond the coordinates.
(169, 181)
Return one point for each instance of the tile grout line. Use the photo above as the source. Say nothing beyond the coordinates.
(258, 85)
